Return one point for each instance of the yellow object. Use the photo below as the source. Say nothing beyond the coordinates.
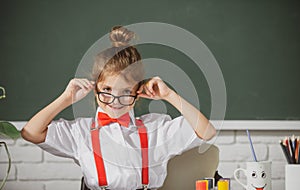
(223, 185)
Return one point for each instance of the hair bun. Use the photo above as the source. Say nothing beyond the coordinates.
(120, 36)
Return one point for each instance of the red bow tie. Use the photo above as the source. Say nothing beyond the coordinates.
(104, 119)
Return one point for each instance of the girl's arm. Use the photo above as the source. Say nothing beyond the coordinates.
(155, 88)
(36, 129)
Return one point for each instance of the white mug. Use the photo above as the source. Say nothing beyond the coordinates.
(258, 175)
(292, 173)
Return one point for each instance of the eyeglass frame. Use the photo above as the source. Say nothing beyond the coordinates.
(118, 97)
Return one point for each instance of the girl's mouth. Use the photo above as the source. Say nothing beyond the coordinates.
(116, 107)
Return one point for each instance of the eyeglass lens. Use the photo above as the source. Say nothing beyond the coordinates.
(109, 98)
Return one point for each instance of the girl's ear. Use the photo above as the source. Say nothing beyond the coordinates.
(96, 95)
(97, 86)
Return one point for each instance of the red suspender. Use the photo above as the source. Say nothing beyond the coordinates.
(99, 160)
(144, 150)
(98, 156)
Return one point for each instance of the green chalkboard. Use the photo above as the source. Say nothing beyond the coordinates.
(256, 44)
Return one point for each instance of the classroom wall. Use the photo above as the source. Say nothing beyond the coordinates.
(256, 44)
(35, 169)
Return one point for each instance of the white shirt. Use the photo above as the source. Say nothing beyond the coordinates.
(120, 147)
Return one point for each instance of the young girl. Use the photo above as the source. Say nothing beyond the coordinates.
(115, 150)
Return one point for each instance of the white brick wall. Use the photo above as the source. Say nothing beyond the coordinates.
(34, 169)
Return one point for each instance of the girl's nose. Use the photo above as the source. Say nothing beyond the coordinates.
(115, 102)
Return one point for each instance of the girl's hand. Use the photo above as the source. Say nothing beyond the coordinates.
(78, 89)
(155, 88)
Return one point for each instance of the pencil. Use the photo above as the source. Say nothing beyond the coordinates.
(289, 149)
(297, 151)
(293, 148)
(285, 151)
(251, 146)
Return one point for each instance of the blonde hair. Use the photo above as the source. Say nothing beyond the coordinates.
(122, 58)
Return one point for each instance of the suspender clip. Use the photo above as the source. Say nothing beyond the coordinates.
(103, 187)
(94, 128)
(145, 186)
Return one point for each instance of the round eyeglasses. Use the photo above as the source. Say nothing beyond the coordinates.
(107, 98)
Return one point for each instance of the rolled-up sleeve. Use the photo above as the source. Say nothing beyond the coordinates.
(172, 136)
(60, 139)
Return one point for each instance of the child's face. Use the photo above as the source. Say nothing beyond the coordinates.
(117, 86)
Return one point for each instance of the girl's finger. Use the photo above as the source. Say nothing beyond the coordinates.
(147, 91)
(84, 83)
(79, 83)
(150, 86)
(89, 82)
(140, 90)
(146, 94)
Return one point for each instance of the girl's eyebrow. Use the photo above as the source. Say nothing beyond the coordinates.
(125, 88)
(105, 85)
(101, 87)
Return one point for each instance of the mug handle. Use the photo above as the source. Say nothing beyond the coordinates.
(235, 176)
